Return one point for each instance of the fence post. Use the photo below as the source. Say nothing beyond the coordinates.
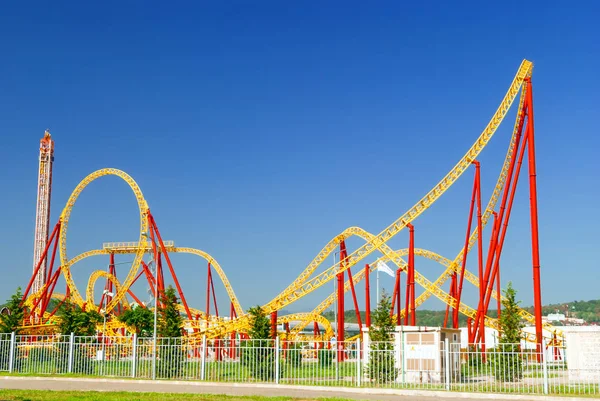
(447, 362)
(203, 357)
(11, 355)
(71, 347)
(277, 360)
(544, 366)
(358, 352)
(134, 355)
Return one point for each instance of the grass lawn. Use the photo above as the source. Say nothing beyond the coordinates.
(38, 395)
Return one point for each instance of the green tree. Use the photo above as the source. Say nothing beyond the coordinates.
(260, 352)
(77, 321)
(260, 324)
(170, 321)
(171, 353)
(83, 325)
(381, 366)
(11, 321)
(508, 362)
(140, 318)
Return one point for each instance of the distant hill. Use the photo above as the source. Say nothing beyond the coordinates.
(586, 310)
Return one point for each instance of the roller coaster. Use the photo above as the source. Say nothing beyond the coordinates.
(118, 295)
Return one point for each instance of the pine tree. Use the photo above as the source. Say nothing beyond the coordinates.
(508, 362)
(172, 355)
(260, 325)
(10, 322)
(260, 352)
(381, 367)
(170, 321)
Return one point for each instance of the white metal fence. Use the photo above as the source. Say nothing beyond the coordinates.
(419, 365)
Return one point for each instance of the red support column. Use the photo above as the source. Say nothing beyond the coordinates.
(208, 280)
(358, 318)
(273, 324)
(535, 251)
(54, 236)
(398, 297)
(411, 265)
(232, 349)
(452, 294)
(154, 227)
(367, 297)
(458, 290)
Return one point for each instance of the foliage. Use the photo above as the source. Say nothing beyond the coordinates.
(261, 350)
(169, 328)
(508, 365)
(326, 357)
(12, 321)
(260, 324)
(77, 321)
(170, 320)
(294, 354)
(381, 365)
(140, 318)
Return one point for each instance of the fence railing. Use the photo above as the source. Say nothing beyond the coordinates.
(394, 364)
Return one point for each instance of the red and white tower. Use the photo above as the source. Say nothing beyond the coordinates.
(42, 214)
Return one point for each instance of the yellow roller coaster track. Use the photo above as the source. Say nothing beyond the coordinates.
(146, 248)
(306, 283)
(66, 214)
(302, 286)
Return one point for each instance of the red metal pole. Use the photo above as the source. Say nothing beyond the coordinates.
(498, 291)
(367, 297)
(458, 292)
(498, 247)
(166, 254)
(44, 254)
(399, 297)
(452, 293)
(358, 319)
(395, 294)
(535, 250)
(411, 258)
(232, 336)
(273, 324)
(214, 295)
(208, 280)
(48, 294)
(40, 299)
(480, 248)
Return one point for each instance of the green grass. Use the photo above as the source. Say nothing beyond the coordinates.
(35, 395)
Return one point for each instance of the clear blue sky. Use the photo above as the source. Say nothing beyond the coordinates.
(258, 131)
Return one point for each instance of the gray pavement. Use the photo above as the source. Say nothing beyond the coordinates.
(302, 392)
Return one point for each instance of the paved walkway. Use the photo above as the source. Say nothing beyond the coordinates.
(301, 392)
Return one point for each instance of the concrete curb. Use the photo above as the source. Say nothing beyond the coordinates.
(334, 390)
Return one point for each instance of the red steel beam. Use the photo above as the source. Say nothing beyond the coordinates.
(367, 297)
(535, 247)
